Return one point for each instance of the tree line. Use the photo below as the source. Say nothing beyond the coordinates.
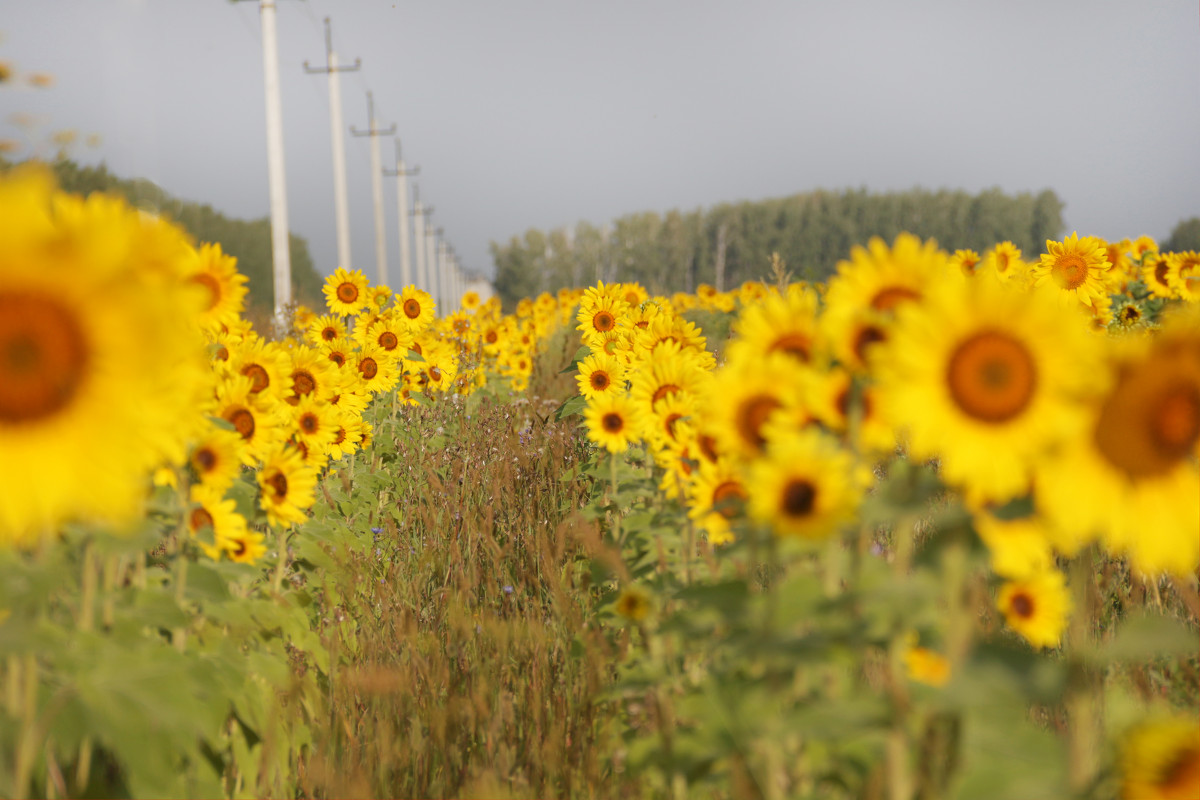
(247, 240)
(733, 242)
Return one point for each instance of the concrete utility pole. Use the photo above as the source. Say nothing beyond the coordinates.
(443, 271)
(376, 184)
(419, 213)
(406, 276)
(431, 263)
(280, 251)
(341, 208)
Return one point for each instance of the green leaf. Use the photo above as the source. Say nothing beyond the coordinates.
(583, 352)
(1144, 636)
(571, 407)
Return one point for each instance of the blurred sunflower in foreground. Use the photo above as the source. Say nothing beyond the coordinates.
(103, 369)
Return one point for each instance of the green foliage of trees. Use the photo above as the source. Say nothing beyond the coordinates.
(1184, 236)
(247, 240)
(811, 231)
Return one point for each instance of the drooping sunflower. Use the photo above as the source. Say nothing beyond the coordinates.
(1075, 266)
(287, 486)
(102, 366)
(416, 309)
(1160, 760)
(987, 379)
(613, 421)
(345, 292)
(1132, 476)
(224, 287)
(600, 374)
(806, 486)
(1036, 606)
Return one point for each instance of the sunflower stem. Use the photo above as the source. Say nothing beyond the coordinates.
(896, 750)
(1083, 701)
(281, 563)
(87, 604)
(616, 511)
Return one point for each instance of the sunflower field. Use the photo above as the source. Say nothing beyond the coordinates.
(928, 530)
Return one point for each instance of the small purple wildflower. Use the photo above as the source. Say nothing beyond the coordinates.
(508, 590)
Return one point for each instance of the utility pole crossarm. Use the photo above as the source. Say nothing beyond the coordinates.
(330, 65)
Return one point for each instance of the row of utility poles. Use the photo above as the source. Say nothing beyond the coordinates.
(438, 270)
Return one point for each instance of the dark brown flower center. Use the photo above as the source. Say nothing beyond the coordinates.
(43, 357)
(992, 377)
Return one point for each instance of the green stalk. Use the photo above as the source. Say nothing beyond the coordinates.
(616, 513)
(896, 751)
(87, 604)
(1083, 700)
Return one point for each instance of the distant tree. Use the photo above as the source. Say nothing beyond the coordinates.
(1184, 236)
(249, 241)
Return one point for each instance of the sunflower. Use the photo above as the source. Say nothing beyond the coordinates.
(1121, 269)
(377, 369)
(672, 329)
(965, 260)
(807, 486)
(1018, 547)
(862, 299)
(1132, 477)
(340, 352)
(1144, 246)
(346, 436)
(470, 300)
(416, 309)
(669, 370)
(634, 294)
(841, 403)
(746, 395)
(1183, 275)
(600, 374)
(1154, 275)
(613, 421)
(287, 486)
(986, 378)
(1037, 607)
(314, 424)
(216, 457)
(345, 292)
(254, 420)
(779, 324)
(378, 297)
(310, 374)
(244, 548)
(266, 364)
(102, 366)
(1004, 262)
(634, 603)
(601, 311)
(389, 333)
(224, 288)
(212, 520)
(326, 329)
(717, 497)
(1160, 760)
(1075, 266)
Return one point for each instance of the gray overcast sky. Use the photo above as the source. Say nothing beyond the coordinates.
(538, 114)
